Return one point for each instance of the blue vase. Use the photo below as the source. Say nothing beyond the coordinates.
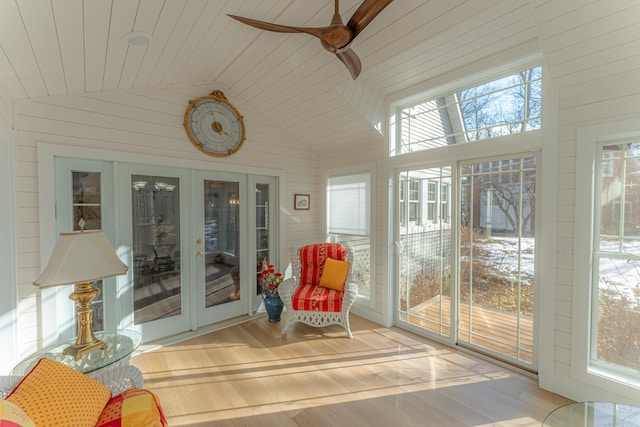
(273, 305)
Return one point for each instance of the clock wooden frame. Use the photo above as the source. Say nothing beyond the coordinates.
(219, 97)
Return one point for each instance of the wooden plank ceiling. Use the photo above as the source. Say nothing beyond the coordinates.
(72, 47)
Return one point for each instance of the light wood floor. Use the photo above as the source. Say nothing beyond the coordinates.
(251, 375)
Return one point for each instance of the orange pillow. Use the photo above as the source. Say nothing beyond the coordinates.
(53, 394)
(334, 274)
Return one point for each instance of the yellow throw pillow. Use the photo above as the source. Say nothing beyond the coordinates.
(53, 395)
(334, 274)
(12, 416)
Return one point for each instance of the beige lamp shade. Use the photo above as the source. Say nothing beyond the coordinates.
(80, 257)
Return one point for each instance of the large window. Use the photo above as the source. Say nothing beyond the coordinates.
(508, 105)
(615, 310)
(349, 222)
(606, 344)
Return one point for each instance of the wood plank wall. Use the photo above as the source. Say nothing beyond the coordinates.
(574, 37)
(144, 121)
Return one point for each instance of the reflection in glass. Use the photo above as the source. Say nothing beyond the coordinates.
(221, 228)
(156, 247)
(497, 249)
(262, 229)
(87, 194)
(616, 302)
(86, 200)
(425, 262)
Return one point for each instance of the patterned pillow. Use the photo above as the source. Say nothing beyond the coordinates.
(133, 407)
(317, 298)
(53, 395)
(312, 259)
(12, 416)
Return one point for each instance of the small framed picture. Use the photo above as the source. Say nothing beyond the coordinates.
(301, 201)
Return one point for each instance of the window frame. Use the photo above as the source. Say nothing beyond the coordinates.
(544, 139)
(454, 130)
(363, 300)
(449, 83)
(589, 141)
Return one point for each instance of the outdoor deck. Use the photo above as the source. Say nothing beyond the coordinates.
(481, 326)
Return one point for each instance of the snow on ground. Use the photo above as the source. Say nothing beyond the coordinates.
(619, 275)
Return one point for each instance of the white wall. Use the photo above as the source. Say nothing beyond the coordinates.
(141, 122)
(595, 78)
(586, 109)
(8, 302)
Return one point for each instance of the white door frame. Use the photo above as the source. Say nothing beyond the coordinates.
(207, 315)
(47, 152)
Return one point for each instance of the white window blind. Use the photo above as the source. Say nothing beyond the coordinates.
(348, 203)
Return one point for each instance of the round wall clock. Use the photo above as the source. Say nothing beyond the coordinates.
(214, 125)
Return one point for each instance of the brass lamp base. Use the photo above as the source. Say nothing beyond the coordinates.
(79, 350)
(86, 342)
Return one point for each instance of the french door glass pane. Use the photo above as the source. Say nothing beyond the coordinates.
(497, 247)
(156, 247)
(87, 206)
(425, 258)
(262, 230)
(222, 251)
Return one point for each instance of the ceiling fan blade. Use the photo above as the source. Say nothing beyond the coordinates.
(350, 60)
(332, 36)
(363, 16)
(267, 25)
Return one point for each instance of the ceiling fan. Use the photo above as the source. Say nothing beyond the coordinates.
(335, 37)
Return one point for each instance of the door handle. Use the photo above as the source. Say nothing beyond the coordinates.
(199, 254)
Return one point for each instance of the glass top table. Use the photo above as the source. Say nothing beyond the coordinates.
(121, 344)
(594, 414)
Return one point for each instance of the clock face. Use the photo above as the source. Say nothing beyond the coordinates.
(214, 126)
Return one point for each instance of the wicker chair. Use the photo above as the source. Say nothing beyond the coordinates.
(322, 305)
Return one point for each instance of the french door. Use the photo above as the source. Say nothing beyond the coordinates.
(155, 227)
(219, 212)
(466, 255)
(191, 238)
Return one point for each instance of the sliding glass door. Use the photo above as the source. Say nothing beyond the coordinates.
(497, 257)
(466, 255)
(425, 257)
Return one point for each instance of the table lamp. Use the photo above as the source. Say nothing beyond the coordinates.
(80, 258)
